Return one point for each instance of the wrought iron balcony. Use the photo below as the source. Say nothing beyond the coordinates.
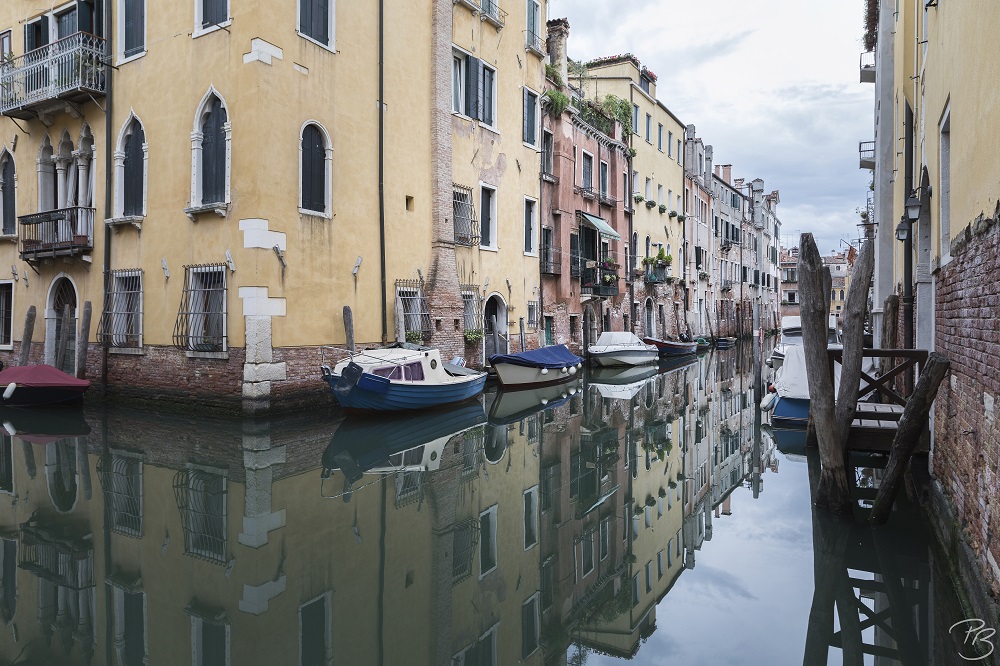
(466, 231)
(727, 285)
(575, 265)
(655, 274)
(68, 70)
(58, 554)
(64, 232)
(608, 200)
(490, 11)
(867, 66)
(866, 150)
(586, 192)
(599, 281)
(534, 43)
(551, 261)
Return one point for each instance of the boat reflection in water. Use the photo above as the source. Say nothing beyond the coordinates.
(527, 527)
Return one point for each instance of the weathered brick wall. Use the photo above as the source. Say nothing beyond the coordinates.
(966, 425)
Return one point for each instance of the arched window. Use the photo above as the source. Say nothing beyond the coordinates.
(7, 209)
(841, 294)
(130, 170)
(315, 163)
(211, 157)
(650, 317)
(649, 246)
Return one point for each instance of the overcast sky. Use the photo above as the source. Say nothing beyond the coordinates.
(772, 85)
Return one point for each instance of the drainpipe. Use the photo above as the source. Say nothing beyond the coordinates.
(108, 171)
(381, 165)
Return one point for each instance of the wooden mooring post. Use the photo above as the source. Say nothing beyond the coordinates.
(83, 342)
(29, 329)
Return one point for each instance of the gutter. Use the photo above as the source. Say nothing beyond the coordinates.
(108, 172)
(381, 165)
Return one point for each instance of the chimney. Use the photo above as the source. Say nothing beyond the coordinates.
(708, 167)
(558, 35)
(727, 173)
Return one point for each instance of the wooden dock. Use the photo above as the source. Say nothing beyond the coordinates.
(874, 428)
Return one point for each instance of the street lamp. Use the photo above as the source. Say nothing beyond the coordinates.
(913, 207)
(903, 230)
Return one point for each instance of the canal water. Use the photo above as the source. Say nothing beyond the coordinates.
(639, 514)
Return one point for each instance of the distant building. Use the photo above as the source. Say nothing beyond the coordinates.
(790, 282)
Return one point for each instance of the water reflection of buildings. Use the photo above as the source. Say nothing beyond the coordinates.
(509, 534)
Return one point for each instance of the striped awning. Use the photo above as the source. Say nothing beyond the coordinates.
(600, 224)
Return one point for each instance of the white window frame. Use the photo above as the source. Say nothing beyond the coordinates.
(670, 143)
(603, 178)
(118, 592)
(225, 306)
(331, 24)
(492, 511)
(649, 189)
(458, 58)
(327, 172)
(10, 333)
(495, 127)
(5, 154)
(459, 659)
(604, 538)
(583, 169)
(945, 180)
(493, 244)
(115, 275)
(533, 493)
(659, 194)
(659, 137)
(197, 624)
(119, 167)
(534, 225)
(649, 128)
(197, 203)
(587, 538)
(199, 30)
(538, 623)
(659, 565)
(327, 598)
(538, 117)
(120, 58)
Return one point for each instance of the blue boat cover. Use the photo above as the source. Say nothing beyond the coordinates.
(556, 356)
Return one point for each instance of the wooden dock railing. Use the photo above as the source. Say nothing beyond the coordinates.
(911, 358)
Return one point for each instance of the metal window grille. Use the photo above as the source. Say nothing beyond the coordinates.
(411, 305)
(121, 322)
(466, 223)
(409, 487)
(6, 464)
(201, 500)
(532, 322)
(472, 310)
(201, 319)
(121, 481)
(6, 313)
(472, 451)
(466, 538)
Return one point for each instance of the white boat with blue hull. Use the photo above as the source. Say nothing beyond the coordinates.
(538, 367)
(615, 348)
(400, 378)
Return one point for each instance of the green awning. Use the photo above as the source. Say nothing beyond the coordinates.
(598, 223)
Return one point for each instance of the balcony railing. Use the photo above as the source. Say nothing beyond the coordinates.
(867, 66)
(490, 11)
(57, 233)
(533, 42)
(866, 150)
(599, 281)
(586, 192)
(608, 200)
(71, 68)
(727, 285)
(551, 261)
(57, 555)
(655, 274)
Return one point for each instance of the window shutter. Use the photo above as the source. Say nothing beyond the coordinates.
(306, 17)
(29, 37)
(134, 171)
(524, 127)
(213, 155)
(472, 87)
(7, 176)
(135, 19)
(481, 109)
(85, 16)
(527, 227)
(213, 12)
(321, 19)
(313, 170)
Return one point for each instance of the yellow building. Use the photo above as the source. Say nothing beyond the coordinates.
(232, 180)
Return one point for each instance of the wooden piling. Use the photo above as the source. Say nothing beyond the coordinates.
(521, 326)
(63, 338)
(890, 329)
(854, 341)
(83, 342)
(911, 424)
(29, 329)
(349, 327)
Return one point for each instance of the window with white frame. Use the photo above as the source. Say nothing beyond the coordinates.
(6, 313)
(530, 517)
(587, 554)
(587, 171)
(8, 194)
(659, 194)
(201, 499)
(944, 187)
(129, 614)
(132, 28)
(604, 538)
(131, 161)
(530, 626)
(464, 534)
(635, 182)
(211, 155)
(474, 88)
(316, 20)
(649, 189)
(487, 540)
(635, 118)
(487, 216)
(604, 178)
(210, 14)
(659, 565)
(210, 635)
(121, 482)
(670, 144)
(530, 225)
(659, 137)
(315, 164)
(649, 128)
(532, 319)
(411, 306)
(201, 319)
(470, 309)
(315, 640)
(458, 83)
(121, 321)
(483, 652)
(529, 132)
(548, 152)
(635, 590)
(534, 36)
(649, 576)
(6, 45)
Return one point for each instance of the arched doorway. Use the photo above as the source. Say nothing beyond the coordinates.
(495, 309)
(650, 318)
(61, 294)
(590, 323)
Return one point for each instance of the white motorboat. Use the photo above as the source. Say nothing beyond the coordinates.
(791, 336)
(622, 348)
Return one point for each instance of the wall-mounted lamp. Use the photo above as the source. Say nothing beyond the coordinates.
(357, 267)
(13, 271)
(903, 230)
(25, 278)
(166, 271)
(913, 207)
(281, 257)
(229, 261)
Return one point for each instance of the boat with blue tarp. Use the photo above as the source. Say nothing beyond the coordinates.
(548, 365)
(400, 378)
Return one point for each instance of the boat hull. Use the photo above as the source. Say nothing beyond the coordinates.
(625, 357)
(379, 396)
(671, 348)
(725, 343)
(38, 396)
(523, 376)
(790, 413)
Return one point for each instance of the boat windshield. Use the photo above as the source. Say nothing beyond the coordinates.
(413, 372)
(407, 458)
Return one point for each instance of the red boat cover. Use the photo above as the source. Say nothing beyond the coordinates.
(40, 376)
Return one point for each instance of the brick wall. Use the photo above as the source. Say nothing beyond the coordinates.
(966, 425)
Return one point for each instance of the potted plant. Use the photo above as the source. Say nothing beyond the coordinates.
(648, 261)
(662, 493)
(637, 510)
(632, 152)
(673, 213)
(609, 278)
(650, 204)
(703, 275)
(681, 218)
(414, 337)
(650, 501)
(663, 208)
(639, 198)
(473, 336)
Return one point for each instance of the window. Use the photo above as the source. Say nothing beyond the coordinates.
(8, 194)
(841, 291)
(548, 152)
(647, 514)
(587, 171)
(133, 182)
(530, 517)
(635, 182)
(649, 576)
(481, 653)
(529, 225)
(649, 189)
(532, 322)
(659, 137)
(529, 626)
(670, 144)
(604, 179)
(209, 639)
(464, 536)
(6, 48)
(530, 129)
(6, 313)
(487, 212)
(944, 188)
(604, 538)
(316, 160)
(678, 155)
(635, 118)
(411, 306)
(635, 590)
(659, 194)
(587, 553)
(488, 541)
(201, 499)
(211, 144)
(314, 628)
(121, 481)
(458, 80)
(464, 213)
(470, 311)
(210, 14)
(534, 35)
(659, 565)
(316, 20)
(487, 105)
(649, 128)
(133, 28)
(201, 319)
(121, 323)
